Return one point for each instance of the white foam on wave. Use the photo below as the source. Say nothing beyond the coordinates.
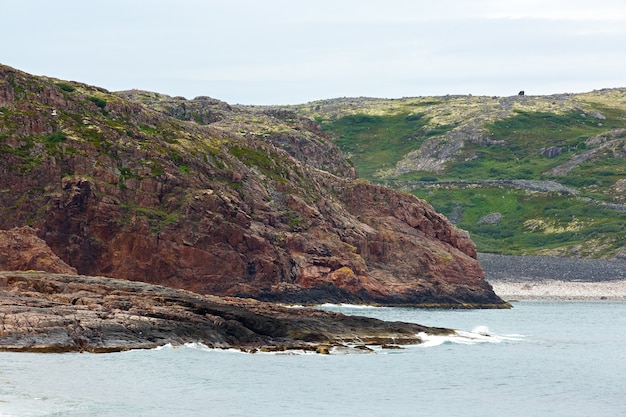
(205, 348)
(479, 334)
(331, 306)
(165, 346)
(481, 330)
(355, 306)
(198, 346)
(190, 345)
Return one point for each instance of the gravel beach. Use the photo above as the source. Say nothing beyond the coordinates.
(553, 278)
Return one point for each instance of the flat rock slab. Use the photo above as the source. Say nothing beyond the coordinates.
(43, 312)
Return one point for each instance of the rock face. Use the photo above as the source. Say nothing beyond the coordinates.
(21, 249)
(67, 313)
(252, 203)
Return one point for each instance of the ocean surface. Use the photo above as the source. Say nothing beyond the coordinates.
(541, 359)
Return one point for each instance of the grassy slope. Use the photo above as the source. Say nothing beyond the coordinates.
(489, 138)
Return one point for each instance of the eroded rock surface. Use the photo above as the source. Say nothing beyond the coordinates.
(21, 249)
(251, 204)
(42, 312)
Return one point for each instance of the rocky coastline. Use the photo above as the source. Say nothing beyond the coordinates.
(555, 278)
(65, 312)
(47, 312)
(215, 199)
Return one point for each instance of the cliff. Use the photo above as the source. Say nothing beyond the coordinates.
(217, 200)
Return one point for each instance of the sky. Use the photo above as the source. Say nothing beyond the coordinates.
(291, 52)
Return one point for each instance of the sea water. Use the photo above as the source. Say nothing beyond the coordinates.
(537, 359)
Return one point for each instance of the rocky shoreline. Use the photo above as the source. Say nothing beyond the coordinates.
(554, 278)
(64, 312)
(44, 312)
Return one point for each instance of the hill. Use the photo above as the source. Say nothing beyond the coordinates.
(542, 175)
(216, 199)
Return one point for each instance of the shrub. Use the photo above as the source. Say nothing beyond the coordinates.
(66, 87)
(56, 137)
(98, 102)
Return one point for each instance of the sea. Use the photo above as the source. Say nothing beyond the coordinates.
(540, 358)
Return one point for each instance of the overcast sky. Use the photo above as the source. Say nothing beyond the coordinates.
(288, 52)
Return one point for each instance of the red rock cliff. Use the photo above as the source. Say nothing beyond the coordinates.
(251, 205)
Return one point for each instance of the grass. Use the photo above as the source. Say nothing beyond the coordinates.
(569, 221)
(526, 132)
(373, 142)
(157, 217)
(269, 165)
(101, 103)
(595, 179)
(68, 88)
(376, 137)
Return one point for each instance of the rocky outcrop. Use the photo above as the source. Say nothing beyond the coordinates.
(491, 218)
(67, 313)
(612, 144)
(21, 249)
(299, 136)
(530, 185)
(551, 151)
(252, 204)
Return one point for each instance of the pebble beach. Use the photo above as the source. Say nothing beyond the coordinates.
(551, 278)
(560, 290)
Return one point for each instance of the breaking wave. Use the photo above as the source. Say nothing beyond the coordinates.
(479, 334)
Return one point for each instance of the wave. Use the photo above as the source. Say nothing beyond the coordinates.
(204, 348)
(479, 334)
(332, 306)
(190, 345)
(355, 306)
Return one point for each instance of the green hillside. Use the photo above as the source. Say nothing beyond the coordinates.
(523, 174)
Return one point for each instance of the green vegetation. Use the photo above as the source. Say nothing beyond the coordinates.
(527, 132)
(66, 87)
(157, 218)
(56, 137)
(375, 142)
(24, 153)
(148, 129)
(426, 144)
(578, 141)
(18, 89)
(530, 222)
(125, 174)
(98, 101)
(294, 220)
(52, 141)
(269, 165)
